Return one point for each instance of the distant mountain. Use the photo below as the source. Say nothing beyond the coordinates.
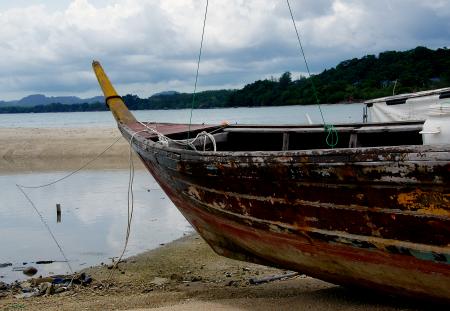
(166, 93)
(39, 99)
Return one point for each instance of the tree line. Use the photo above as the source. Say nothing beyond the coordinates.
(352, 80)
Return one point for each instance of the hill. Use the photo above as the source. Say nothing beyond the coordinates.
(39, 99)
(355, 79)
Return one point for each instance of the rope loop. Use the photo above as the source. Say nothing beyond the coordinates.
(332, 138)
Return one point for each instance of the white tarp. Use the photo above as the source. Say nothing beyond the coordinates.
(414, 109)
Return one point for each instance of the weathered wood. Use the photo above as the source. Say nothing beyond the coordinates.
(377, 217)
(353, 142)
(376, 211)
(263, 130)
(58, 212)
(271, 278)
(285, 142)
(391, 129)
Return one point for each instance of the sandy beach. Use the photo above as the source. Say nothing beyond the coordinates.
(187, 275)
(41, 149)
(182, 275)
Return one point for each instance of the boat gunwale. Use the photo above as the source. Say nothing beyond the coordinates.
(419, 149)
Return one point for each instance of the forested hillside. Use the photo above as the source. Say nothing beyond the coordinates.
(356, 79)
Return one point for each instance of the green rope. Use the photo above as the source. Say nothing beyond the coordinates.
(332, 134)
(198, 68)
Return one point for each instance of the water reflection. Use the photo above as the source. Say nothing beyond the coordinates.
(94, 218)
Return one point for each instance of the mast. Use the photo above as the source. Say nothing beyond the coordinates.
(113, 100)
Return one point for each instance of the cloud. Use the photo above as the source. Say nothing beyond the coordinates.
(148, 46)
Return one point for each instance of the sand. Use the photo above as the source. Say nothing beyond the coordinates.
(40, 149)
(183, 275)
(187, 275)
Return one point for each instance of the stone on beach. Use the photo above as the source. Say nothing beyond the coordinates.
(30, 271)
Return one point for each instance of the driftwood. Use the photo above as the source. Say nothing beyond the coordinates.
(272, 278)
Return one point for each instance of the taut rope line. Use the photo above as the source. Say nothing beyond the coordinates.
(332, 133)
(198, 67)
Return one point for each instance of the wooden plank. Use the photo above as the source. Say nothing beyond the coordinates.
(285, 142)
(353, 142)
(283, 130)
(391, 129)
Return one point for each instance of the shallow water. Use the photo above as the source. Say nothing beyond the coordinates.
(94, 217)
(339, 113)
(94, 203)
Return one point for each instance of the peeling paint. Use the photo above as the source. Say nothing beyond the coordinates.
(377, 217)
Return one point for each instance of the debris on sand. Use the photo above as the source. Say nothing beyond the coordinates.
(44, 286)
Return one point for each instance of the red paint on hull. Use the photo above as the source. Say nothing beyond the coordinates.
(398, 274)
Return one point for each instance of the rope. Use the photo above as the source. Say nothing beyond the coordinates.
(130, 196)
(41, 217)
(74, 172)
(46, 226)
(184, 142)
(198, 67)
(130, 203)
(332, 136)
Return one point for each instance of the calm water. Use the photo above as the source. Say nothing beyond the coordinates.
(268, 115)
(93, 220)
(94, 203)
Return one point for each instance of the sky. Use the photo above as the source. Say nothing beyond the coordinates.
(149, 46)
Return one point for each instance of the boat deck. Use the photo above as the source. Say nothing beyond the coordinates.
(287, 137)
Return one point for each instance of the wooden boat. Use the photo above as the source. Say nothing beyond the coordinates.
(372, 212)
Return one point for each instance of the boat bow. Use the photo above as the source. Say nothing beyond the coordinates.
(113, 100)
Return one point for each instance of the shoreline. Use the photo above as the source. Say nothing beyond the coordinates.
(184, 274)
(61, 149)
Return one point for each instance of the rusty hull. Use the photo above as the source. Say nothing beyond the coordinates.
(372, 217)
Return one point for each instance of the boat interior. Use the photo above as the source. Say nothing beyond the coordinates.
(306, 137)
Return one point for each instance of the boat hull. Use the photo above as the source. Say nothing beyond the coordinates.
(376, 219)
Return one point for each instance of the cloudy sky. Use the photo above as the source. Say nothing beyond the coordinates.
(147, 46)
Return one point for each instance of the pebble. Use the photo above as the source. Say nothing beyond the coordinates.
(233, 283)
(25, 284)
(176, 277)
(159, 281)
(50, 290)
(196, 278)
(30, 271)
(3, 286)
(60, 289)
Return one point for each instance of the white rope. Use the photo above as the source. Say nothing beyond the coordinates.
(130, 204)
(164, 140)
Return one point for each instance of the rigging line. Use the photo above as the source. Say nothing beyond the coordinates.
(130, 204)
(46, 226)
(306, 62)
(332, 137)
(21, 187)
(74, 172)
(198, 67)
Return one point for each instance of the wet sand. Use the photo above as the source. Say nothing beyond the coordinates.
(40, 149)
(187, 275)
(183, 275)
